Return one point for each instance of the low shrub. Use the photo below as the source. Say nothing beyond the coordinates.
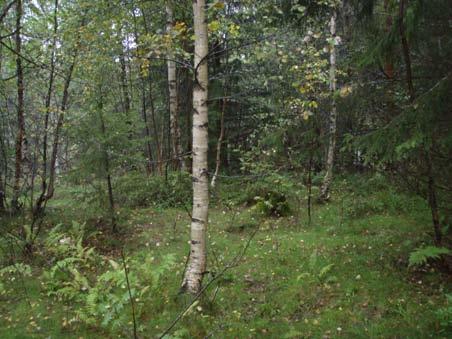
(381, 202)
(272, 204)
(270, 195)
(98, 287)
(138, 190)
(444, 315)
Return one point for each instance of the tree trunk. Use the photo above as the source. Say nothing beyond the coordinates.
(144, 114)
(56, 138)
(219, 143)
(432, 200)
(158, 140)
(149, 166)
(325, 189)
(197, 261)
(20, 110)
(431, 190)
(111, 201)
(223, 111)
(187, 103)
(406, 50)
(38, 206)
(388, 66)
(173, 96)
(125, 92)
(2, 193)
(311, 155)
(159, 146)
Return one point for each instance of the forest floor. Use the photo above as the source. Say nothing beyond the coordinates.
(346, 275)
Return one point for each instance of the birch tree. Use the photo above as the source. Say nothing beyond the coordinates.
(197, 260)
(172, 90)
(325, 189)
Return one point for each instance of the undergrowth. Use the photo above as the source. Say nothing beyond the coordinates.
(346, 275)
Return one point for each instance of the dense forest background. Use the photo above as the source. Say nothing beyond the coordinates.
(272, 168)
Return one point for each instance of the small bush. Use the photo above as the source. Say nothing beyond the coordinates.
(272, 204)
(381, 202)
(137, 190)
(270, 195)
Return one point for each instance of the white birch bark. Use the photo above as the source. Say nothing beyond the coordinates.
(197, 261)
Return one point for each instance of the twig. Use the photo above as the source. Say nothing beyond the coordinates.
(132, 304)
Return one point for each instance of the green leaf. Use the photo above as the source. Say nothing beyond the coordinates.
(421, 255)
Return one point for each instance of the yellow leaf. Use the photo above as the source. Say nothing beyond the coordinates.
(218, 5)
(214, 26)
(345, 91)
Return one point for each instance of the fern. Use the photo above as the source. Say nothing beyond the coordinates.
(325, 270)
(16, 269)
(444, 314)
(420, 256)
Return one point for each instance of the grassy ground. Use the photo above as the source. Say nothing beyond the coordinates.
(345, 275)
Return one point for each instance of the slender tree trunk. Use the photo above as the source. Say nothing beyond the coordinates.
(144, 114)
(223, 112)
(310, 187)
(38, 206)
(158, 140)
(431, 188)
(406, 50)
(188, 104)
(197, 262)
(20, 109)
(325, 189)
(389, 66)
(111, 200)
(124, 86)
(125, 92)
(3, 163)
(56, 138)
(159, 145)
(219, 143)
(173, 95)
(432, 199)
(2, 193)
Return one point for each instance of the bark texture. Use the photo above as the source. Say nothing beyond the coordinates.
(20, 109)
(197, 261)
(325, 189)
